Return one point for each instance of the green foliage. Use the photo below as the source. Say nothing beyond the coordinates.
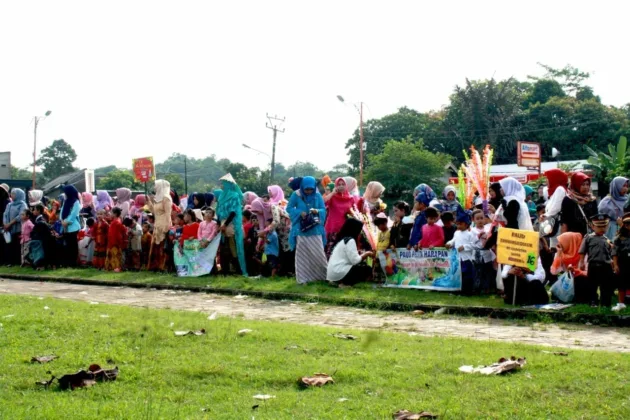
(25, 173)
(104, 170)
(404, 164)
(176, 181)
(616, 162)
(57, 159)
(571, 78)
(120, 178)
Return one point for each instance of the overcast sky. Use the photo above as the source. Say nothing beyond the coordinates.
(128, 79)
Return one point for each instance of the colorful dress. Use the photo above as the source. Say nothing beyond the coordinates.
(100, 244)
(116, 243)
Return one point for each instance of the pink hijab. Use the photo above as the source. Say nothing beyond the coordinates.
(276, 194)
(87, 199)
(249, 197)
(262, 208)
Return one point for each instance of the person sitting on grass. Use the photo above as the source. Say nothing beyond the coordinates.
(346, 267)
(529, 285)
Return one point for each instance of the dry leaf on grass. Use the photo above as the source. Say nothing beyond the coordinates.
(44, 359)
(84, 379)
(183, 333)
(556, 353)
(45, 384)
(345, 336)
(408, 415)
(263, 397)
(319, 379)
(502, 366)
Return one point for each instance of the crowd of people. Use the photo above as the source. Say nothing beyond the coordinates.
(319, 233)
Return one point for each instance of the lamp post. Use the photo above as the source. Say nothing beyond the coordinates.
(263, 153)
(360, 111)
(36, 122)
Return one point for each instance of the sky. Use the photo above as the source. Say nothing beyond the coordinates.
(128, 79)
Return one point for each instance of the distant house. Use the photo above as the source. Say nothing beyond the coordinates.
(55, 187)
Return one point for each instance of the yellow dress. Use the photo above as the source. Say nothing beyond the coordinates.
(383, 241)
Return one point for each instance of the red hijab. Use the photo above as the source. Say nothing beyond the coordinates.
(557, 178)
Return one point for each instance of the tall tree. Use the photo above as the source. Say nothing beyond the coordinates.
(57, 159)
(120, 178)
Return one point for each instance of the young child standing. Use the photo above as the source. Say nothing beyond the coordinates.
(272, 250)
(599, 250)
(134, 232)
(383, 232)
(484, 258)
(449, 228)
(621, 261)
(25, 238)
(146, 243)
(463, 241)
(401, 229)
(116, 242)
(101, 230)
(208, 229)
(432, 234)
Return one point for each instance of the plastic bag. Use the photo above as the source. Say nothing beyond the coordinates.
(564, 289)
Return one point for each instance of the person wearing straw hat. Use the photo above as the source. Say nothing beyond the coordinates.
(599, 250)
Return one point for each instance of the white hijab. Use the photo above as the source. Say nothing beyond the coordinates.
(513, 190)
(162, 190)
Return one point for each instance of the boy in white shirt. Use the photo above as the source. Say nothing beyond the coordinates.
(484, 258)
(464, 242)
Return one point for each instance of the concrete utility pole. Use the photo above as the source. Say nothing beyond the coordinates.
(36, 121)
(272, 125)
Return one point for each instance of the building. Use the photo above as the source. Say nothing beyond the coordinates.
(83, 180)
(5, 165)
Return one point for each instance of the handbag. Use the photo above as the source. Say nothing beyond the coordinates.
(564, 288)
(309, 221)
(549, 226)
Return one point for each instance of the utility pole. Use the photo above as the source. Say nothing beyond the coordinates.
(361, 146)
(186, 174)
(36, 121)
(272, 125)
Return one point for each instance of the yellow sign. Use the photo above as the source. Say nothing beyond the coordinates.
(518, 248)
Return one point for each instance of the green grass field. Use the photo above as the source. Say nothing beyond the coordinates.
(371, 295)
(216, 375)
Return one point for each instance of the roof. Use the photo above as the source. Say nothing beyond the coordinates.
(515, 169)
(67, 179)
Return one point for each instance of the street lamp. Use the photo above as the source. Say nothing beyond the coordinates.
(360, 111)
(263, 153)
(36, 121)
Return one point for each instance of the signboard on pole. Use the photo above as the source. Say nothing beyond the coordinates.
(143, 169)
(518, 248)
(529, 154)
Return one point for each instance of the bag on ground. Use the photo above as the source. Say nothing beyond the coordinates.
(564, 289)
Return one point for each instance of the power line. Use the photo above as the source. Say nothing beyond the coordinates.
(272, 125)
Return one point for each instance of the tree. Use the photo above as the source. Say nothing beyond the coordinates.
(304, 169)
(405, 164)
(120, 178)
(570, 78)
(104, 170)
(339, 170)
(176, 181)
(19, 173)
(57, 159)
(613, 164)
(542, 91)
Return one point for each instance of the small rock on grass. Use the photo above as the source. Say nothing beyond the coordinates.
(263, 397)
(43, 359)
(183, 333)
(244, 332)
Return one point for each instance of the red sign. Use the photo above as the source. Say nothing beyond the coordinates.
(143, 169)
(528, 154)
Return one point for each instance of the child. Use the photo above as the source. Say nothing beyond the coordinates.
(272, 250)
(484, 258)
(25, 238)
(251, 238)
(191, 228)
(599, 250)
(86, 245)
(134, 262)
(146, 243)
(208, 229)
(116, 242)
(449, 228)
(101, 229)
(621, 261)
(401, 229)
(384, 235)
(463, 241)
(419, 221)
(547, 254)
(432, 234)
(40, 250)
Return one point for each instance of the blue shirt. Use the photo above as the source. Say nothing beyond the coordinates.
(297, 205)
(271, 245)
(73, 218)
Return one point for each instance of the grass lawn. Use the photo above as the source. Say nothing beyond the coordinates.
(372, 295)
(164, 376)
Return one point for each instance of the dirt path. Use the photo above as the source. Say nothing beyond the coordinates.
(568, 336)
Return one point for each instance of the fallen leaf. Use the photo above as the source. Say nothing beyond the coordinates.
(43, 359)
(263, 397)
(502, 366)
(345, 336)
(83, 293)
(244, 332)
(556, 353)
(183, 333)
(408, 415)
(319, 379)
(212, 317)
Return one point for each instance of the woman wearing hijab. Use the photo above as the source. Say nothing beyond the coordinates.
(515, 210)
(294, 183)
(272, 217)
(261, 207)
(123, 195)
(71, 225)
(4, 202)
(137, 211)
(103, 201)
(308, 237)
(531, 206)
(249, 198)
(370, 203)
(424, 199)
(557, 191)
(230, 215)
(352, 187)
(35, 197)
(337, 208)
(449, 199)
(209, 200)
(12, 223)
(345, 267)
(161, 205)
(88, 209)
(276, 194)
(613, 205)
(567, 259)
(579, 205)
(495, 195)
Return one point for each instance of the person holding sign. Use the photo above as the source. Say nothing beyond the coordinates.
(529, 285)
